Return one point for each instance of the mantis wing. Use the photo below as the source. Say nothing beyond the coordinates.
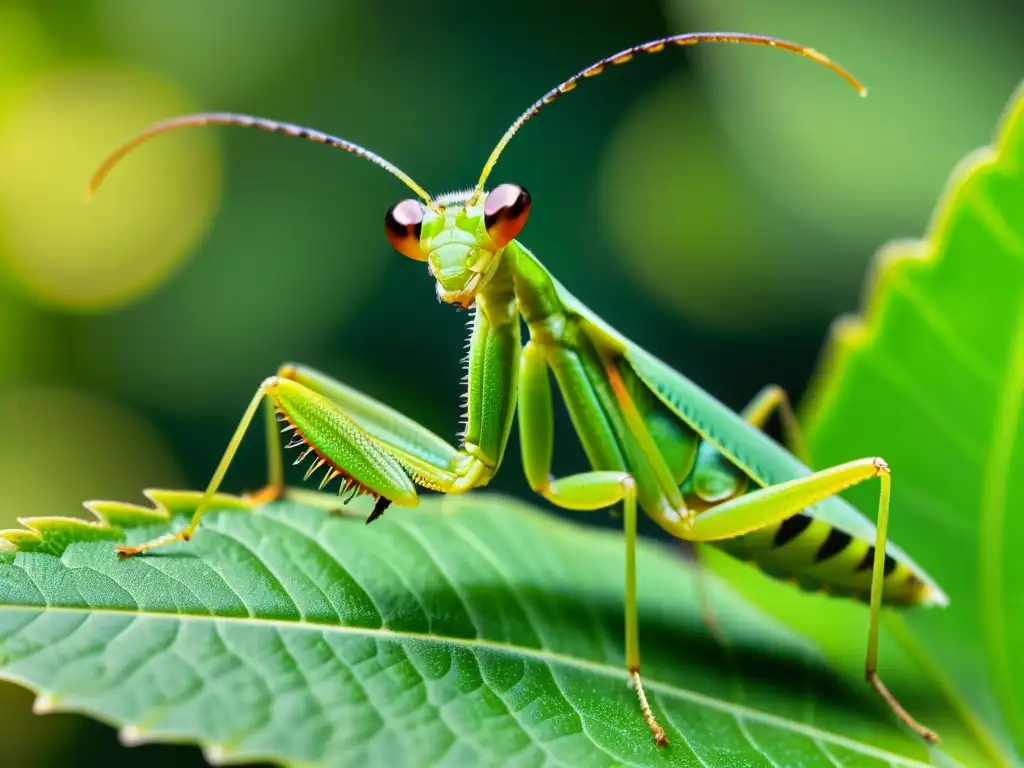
(763, 459)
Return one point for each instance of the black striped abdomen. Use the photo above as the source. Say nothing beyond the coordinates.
(819, 557)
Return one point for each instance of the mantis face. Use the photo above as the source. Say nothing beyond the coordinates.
(461, 241)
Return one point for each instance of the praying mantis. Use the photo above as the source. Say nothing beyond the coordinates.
(653, 438)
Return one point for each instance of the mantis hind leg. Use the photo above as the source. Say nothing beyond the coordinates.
(773, 398)
(585, 491)
(229, 454)
(707, 611)
(772, 504)
(877, 577)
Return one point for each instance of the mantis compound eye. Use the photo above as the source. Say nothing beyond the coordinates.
(402, 224)
(505, 211)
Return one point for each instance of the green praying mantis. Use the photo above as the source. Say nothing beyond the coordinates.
(654, 439)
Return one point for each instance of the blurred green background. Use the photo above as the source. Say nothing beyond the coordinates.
(719, 205)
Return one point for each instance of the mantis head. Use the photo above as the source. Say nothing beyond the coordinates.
(461, 241)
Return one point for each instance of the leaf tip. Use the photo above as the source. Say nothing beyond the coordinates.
(44, 704)
(52, 535)
(131, 736)
(214, 754)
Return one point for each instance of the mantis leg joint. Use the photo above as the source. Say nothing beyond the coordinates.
(876, 682)
(287, 371)
(660, 739)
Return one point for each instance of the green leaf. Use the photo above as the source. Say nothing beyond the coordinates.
(932, 379)
(469, 631)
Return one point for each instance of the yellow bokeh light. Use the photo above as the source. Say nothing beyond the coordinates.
(148, 216)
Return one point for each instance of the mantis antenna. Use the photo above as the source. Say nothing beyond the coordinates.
(249, 121)
(654, 46)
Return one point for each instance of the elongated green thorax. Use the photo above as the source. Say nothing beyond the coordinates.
(493, 366)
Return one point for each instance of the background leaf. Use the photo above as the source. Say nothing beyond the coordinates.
(474, 631)
(932, 379)
(928, 379)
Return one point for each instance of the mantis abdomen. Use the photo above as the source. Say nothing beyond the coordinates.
(801, 549)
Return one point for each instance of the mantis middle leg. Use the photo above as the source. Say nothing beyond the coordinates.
(773, 504)
(585, 491)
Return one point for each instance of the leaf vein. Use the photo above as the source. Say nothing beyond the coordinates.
(333, 556)
(996, 221)
(269, 573)
(667, 714)
(539, 655)
(417, 536)
(960, 349)
(827, 753)
(741, 724)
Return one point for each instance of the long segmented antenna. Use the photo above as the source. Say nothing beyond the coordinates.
(249, 121)
(653, 46)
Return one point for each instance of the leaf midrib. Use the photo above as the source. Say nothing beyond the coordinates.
(737, 711)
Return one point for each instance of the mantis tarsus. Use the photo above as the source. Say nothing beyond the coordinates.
(654, 439)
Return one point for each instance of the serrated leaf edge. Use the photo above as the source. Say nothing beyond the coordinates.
(162, 510)
(127, 515)
(851, 331)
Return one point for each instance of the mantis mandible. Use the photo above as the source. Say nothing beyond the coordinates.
(654, 439)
